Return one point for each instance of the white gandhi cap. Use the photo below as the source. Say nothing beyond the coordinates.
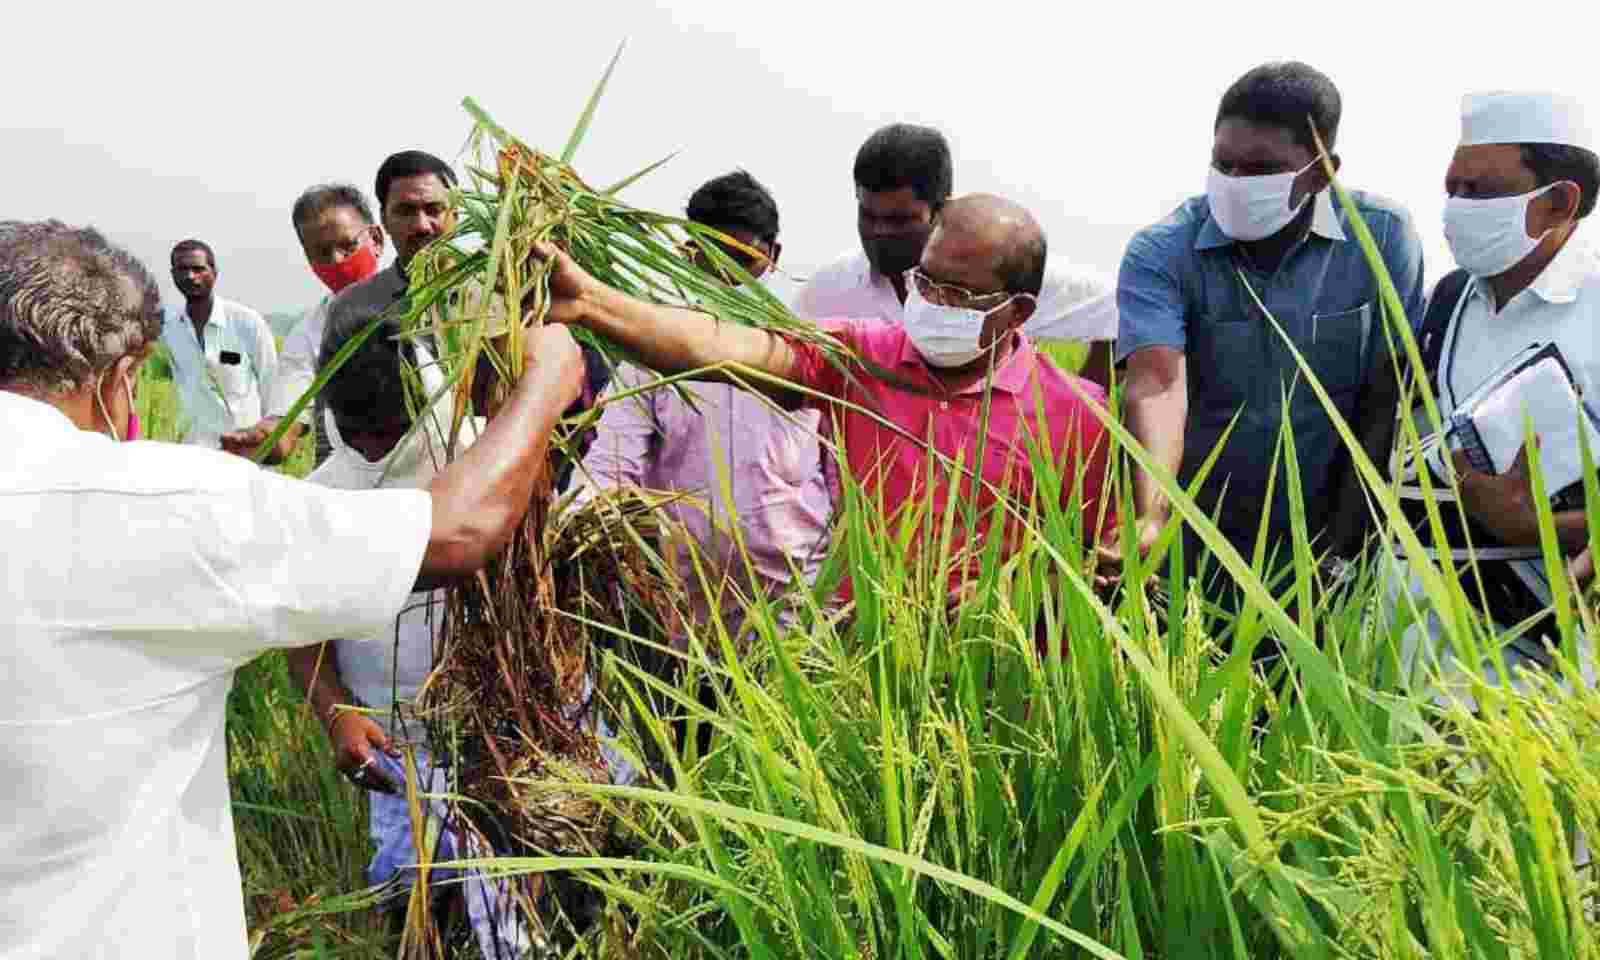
(1506, 117)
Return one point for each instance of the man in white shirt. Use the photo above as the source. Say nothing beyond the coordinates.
(1522, 180)
(903, 176)
(343, 245)
(150, 572)
(224, 356)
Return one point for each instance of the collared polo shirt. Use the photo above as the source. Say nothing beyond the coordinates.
(137, 578)
(757, 505)
(1074, 303)
(1182, 285)
(221, 381)
(1033, 405)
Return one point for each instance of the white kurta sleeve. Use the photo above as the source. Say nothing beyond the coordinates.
(308, 563)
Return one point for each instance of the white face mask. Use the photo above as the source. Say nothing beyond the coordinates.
(946, 337)
(408, 465)
(416, 460)
(1253, 208)
(1489, 236)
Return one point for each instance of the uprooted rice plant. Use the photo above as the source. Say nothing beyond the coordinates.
(908, 781)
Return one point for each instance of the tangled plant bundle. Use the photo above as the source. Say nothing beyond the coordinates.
(513, 667)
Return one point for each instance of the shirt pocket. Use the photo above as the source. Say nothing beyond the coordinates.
(233, 379)
(1333, 345)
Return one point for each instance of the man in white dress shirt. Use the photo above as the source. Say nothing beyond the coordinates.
(140, 575)
(903, 176)
(1521, 183)
(343, 245)
(224, 356)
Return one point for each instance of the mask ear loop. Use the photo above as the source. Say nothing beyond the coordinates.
(100, 401)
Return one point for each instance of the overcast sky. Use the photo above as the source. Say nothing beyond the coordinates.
(207, 120)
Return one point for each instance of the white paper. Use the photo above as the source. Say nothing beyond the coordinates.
(1542, 392)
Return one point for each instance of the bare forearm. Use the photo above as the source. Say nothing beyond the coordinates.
(479, 499)
(315, 672)
(677, 340)
(1157, 417)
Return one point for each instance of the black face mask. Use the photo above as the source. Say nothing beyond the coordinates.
(894, 255)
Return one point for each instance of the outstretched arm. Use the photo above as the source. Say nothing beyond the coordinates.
(1156, 405)
(668, 339)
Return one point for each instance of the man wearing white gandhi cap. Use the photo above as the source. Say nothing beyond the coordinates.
(1523, 178)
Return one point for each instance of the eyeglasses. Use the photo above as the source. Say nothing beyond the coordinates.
(950, 295)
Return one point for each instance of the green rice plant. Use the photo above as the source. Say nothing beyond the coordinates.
(156, 398)
(1042, 770)
(300, 827)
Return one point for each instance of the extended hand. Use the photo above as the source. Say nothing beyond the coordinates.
(551, 348)
(356, 738)
(569, 284)
(243, 443)
(1109, 557)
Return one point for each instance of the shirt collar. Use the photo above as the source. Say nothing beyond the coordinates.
(1563, 276)
(1010, 377)
(29, 415)
(217, 313)
(1324, 223)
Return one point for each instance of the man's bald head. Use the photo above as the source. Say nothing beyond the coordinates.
(996, 244)
(999, 234)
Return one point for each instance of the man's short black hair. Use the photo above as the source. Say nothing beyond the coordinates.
(1555, 162)
(735, 201)
(904, 155)
(410, 163)
(1284, 95)
(369, 386)
(184, 246)
(327, 196)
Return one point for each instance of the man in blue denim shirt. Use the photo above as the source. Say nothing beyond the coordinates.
(1198, 350)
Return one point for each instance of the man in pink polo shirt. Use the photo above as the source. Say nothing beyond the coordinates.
(975, 287)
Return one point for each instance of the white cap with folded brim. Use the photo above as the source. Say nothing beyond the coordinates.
(1506, 117)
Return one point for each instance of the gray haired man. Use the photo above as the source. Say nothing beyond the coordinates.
(151, 571)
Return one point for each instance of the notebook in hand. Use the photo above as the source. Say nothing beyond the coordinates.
(1488, 422)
